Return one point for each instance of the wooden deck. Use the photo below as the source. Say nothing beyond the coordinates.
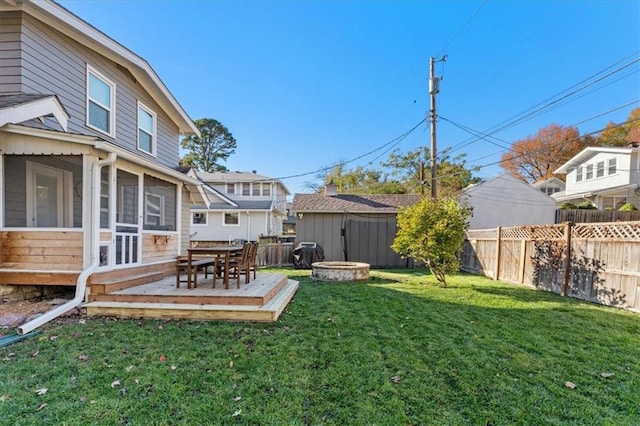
(263, 299)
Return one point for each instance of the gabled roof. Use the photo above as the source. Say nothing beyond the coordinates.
(266, 205)
(20, 107)
(589, 152)
(349, 203)
(240, 177)
(504, 186)
(550, 181)
(82, 32)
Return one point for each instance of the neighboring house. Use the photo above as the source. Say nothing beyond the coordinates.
(239, 206)
(607, 177)
(507, 201)
(351, 227)
(88, 149)
(549, 186)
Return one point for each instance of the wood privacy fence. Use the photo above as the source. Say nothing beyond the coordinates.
(590, 216)
(598, 262)
(269, 254)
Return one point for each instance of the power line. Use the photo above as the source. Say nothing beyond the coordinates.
(464, 26)
(479, 135)
(547, 103)
(398, 139)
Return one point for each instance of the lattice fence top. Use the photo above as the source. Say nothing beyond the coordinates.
(609, 231)
(541, 232)
(629, 231)
(482, 234)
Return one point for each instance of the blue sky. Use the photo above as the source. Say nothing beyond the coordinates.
(305, 84)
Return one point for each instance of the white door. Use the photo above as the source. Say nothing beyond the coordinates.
(45, 196)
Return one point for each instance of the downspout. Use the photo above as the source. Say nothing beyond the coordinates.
(81, 283)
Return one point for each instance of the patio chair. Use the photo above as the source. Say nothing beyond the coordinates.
(240, 264)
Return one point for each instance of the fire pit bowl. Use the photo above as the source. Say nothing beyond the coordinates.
(340, 271)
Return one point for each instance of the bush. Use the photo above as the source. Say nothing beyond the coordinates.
(628, 207)
(586, 205)
(432, 231)
(568, 206)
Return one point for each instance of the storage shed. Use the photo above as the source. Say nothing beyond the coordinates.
(357, 228)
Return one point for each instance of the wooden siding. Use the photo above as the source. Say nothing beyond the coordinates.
(159, 247)
(55, 63)
(590, 216)
(10, 81)
(42, 250)
(604, 264)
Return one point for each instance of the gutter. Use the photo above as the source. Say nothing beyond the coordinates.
(81, 283)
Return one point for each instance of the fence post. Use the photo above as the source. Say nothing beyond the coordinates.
(496, 276)
(567, 258)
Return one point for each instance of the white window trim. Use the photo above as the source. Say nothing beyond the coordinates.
(600, 171)
(161, 215)
(608, 165)
(230, 224)
(226, 189)
(112, 111)
(579, 174)
(206, 219)
(65, 191)
(154, 136)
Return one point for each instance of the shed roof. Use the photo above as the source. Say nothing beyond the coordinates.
(377, 203)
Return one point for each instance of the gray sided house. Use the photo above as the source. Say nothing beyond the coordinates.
(358, 228)
(88, 150)
(238, 206)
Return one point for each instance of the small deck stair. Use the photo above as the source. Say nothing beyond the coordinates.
(263, 299)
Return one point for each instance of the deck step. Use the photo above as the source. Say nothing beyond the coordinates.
(268, 312)
(116, 284)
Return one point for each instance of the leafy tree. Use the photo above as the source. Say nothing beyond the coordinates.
(452, 173)
(215, 144)
(432, 231)
(621, 135)
(359, 181)
(536, 157)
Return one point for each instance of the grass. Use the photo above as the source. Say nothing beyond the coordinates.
(389, 351)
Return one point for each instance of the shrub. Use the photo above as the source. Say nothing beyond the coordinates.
(568, 206)
(586, 205)
(432, 231)
(628, 207)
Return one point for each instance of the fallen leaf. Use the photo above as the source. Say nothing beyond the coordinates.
(395, 379)
(81, 321)
(570, 385)
(41, 407)
(41, 391)
(173, 367)
(129, 368)
(237, 413)
(82, 399)
(237, 398)
(115, 383)
(163, 358)
(137, 381)
(160, 327)
(231, 364)
(53, 337)
(83, 357)
(606, 375)
(4, 397)
(35, 354)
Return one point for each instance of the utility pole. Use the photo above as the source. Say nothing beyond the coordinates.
(434, 89)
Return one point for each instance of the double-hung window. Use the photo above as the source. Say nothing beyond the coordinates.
(579, 174)
(612, 166)
(600, 169)
(589, 172)
(146, 129)
(101, 100)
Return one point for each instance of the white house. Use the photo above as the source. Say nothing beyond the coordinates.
(607, 177)
(549, 186)
(240, 205)
(507, 201)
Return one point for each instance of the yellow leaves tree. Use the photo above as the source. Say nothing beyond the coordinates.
(622, 134)
(537, 156)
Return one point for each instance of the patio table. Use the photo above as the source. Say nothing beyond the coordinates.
(222, 254)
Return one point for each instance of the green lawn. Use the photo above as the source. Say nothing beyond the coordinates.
(391, 351)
